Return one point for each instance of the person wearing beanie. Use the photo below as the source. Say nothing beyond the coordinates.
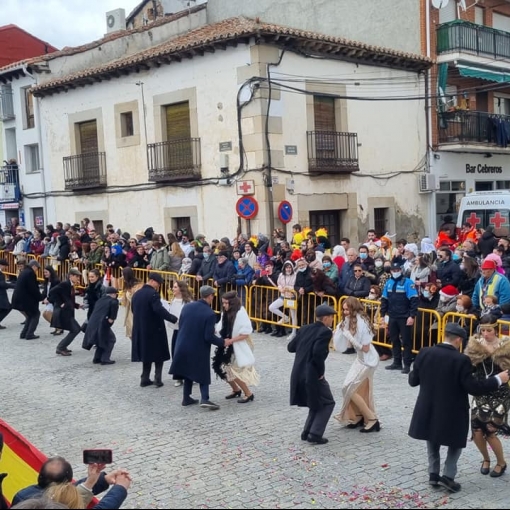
(447, 303)
(490, 284)
(448, 272)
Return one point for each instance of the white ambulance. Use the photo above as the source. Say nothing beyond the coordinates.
(484, 208)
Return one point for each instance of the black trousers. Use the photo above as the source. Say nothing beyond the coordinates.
(146, 372)
(68, 339)
(318, 417)
(4, 313)
(401, 335)
(103, 355)
(31, 323)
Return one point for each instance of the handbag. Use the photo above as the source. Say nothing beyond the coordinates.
(244, 354)
(371, 358)
(290, 303)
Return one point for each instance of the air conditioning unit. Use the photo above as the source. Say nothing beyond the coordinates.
(427, 183)
(115, 20)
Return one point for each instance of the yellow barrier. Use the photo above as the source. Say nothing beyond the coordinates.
(468, 322)
(504, 327)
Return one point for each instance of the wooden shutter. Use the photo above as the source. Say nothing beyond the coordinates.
(324, 113)
(178, 121)
(88, 136)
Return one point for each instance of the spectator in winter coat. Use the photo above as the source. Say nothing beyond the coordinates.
(160, 260)
(196, 263)
(208, 266)
(243, 279)
(448, 272)
(330, 269)
(64, 248)
(487, 242)
(358, 285)
(223, 272)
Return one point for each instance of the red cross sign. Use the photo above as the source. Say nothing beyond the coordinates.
(474, 219)
(497, 220)
(245, 188)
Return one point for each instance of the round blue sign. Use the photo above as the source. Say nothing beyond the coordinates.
(285, 212)
(247, 208)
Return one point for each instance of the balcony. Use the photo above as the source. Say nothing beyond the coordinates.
(85, 171)
(479, 130)
(9, 184)
(6, 104)
(463, 37)
(175, 160)
(332, 152)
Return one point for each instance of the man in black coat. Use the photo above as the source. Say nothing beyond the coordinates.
(308, 387)
(192, 357)
(63, 299)
(441, 414)
(150, 341)
(99, 329)
(303, 286)
(5, 306)
(448, 272)
(208, 266)
(26, 299)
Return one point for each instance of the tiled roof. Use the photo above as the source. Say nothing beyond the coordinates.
(232, 31)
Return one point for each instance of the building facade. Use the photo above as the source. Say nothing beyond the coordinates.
(470, 108)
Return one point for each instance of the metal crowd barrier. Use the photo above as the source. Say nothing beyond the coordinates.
(504, 327)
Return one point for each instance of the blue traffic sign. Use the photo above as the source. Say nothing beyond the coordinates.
(247, 208)
(285, 212)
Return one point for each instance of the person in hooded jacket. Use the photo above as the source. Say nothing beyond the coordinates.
(487, 242)
(196, 263)
(208, 266)
(64, 248)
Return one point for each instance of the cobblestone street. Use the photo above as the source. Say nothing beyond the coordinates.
(243, 456)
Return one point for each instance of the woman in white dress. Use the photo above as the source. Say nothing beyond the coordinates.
(235, 324)
(181, 296)
(358, 399)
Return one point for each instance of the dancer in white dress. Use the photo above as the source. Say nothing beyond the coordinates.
(358, 399)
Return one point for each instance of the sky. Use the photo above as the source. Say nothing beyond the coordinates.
(62, 22)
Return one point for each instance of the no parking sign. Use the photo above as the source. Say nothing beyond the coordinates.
(285, 212)
(247, 208)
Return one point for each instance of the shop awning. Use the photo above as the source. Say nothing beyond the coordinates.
(483, 74)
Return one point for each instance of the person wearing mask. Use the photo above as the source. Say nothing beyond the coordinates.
(469, 320)
(330, 269)
(208, 266)
(378, 270)
(223, 273)
(448, 272)
(441, 413)
(469, 276)
(347, 271)
(427, 300)
(491, 283)
(400, 302)
(366, 259)
(420, 272)
(447, 303)
(308, 386)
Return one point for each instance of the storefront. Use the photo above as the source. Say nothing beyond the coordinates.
(461, 173)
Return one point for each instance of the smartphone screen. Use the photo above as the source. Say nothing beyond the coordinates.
(97, 457)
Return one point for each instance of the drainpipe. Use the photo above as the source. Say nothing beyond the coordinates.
(37, 116)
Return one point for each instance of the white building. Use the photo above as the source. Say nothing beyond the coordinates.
(219, 112)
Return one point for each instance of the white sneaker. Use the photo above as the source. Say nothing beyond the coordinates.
(178, 383)
(284, 320)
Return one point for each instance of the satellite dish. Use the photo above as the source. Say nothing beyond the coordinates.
(440, 4)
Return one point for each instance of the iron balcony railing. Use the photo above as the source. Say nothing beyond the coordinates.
(6, 104)
(464, 126)
(9, 183)
(174, 160)
(463, 36)
(332, 152)
(85, 171)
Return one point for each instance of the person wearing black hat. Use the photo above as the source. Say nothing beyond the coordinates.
(400, 302)
(223, 272)
(308, 386)
(26, 299)
(99, 329)
(5, 305)
(150, 341)
(441, 413)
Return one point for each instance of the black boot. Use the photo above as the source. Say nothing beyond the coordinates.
(268, 329)
(157, 375)
(281, 332)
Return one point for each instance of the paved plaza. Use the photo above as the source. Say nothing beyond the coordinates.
(242, 456)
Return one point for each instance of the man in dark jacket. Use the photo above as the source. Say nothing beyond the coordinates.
(308, 387)
(358, 285)
(197, 261)
(150, 341)
(208, 266)
(448, 272)
(63, 299)
(5, 306)
(441, 414)
(304, 286)
(192, 358)
(487, 242)
(99, 329)
(223, 273)
(26, 299)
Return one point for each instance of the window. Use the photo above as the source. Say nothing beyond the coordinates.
(324, 113)
(483, 185)
(448, 200)
(502, 184)
(479, 15)
(32, 158)
(381, 220)
(29, 119)
(126, 124)
(330, 220)
(502, 105)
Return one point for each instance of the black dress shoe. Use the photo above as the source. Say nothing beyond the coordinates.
(189, 402)
(235, 394)
(63, 353)
(158, 383)
(312, 438)
(146, 383)
(304, 435)
(497, 474)
(251, 398)
(485, 470)
(96, 361)
(32, 337)
(356, 425)
(2, 327)
(406, 370)
(22, 336)
(376, 427)
(109, 362)
(449, 484)
(434, 479)
(394, 366)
